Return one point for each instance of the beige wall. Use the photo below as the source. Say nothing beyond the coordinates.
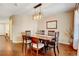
(64, 22)
(21, 24)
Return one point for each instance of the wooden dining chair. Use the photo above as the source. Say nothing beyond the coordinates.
(42, 32)
(7, 37)
(29, 39)
(56, 42)
(36, 44)
(28, 34)
(26, 41)
(50, 33)
(23, 39)
(51, 44)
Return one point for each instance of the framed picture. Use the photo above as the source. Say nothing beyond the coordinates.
(51, 24)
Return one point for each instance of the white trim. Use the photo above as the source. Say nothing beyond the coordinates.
(17, 41)
(64, 43)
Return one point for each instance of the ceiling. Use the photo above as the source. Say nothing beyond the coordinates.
(9, 9)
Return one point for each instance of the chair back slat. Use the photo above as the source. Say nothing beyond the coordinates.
(51, 33)
(28, 32)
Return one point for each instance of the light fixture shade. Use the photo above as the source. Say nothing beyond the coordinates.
(38, 16)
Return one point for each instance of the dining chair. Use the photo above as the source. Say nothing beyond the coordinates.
(36, 44)
(50, 33)
(28, 34)
(23, 39)
(7, 37)
(51, 44)
(42, 32)
(26, 41)
(54, 43)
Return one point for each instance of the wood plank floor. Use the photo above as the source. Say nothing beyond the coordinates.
(7, 48)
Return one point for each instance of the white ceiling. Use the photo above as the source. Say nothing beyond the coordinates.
(8, 9)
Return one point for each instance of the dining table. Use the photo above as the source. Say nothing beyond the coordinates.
(43, 37)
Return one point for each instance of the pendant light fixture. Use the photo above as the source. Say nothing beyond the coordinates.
(38, 13)
(77, 6)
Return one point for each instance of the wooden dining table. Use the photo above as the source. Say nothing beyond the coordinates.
(43, 37)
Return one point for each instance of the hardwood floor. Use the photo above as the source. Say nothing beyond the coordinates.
(7, 48)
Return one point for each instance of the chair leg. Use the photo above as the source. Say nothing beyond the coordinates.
(29, 44)
(54, 51)
(31, 50)
(25, 47)
(45, 49)
(22, 46)
(57, 49)
(37, 52)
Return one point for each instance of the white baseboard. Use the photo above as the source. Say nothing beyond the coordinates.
(17, 41)
(64, 43)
